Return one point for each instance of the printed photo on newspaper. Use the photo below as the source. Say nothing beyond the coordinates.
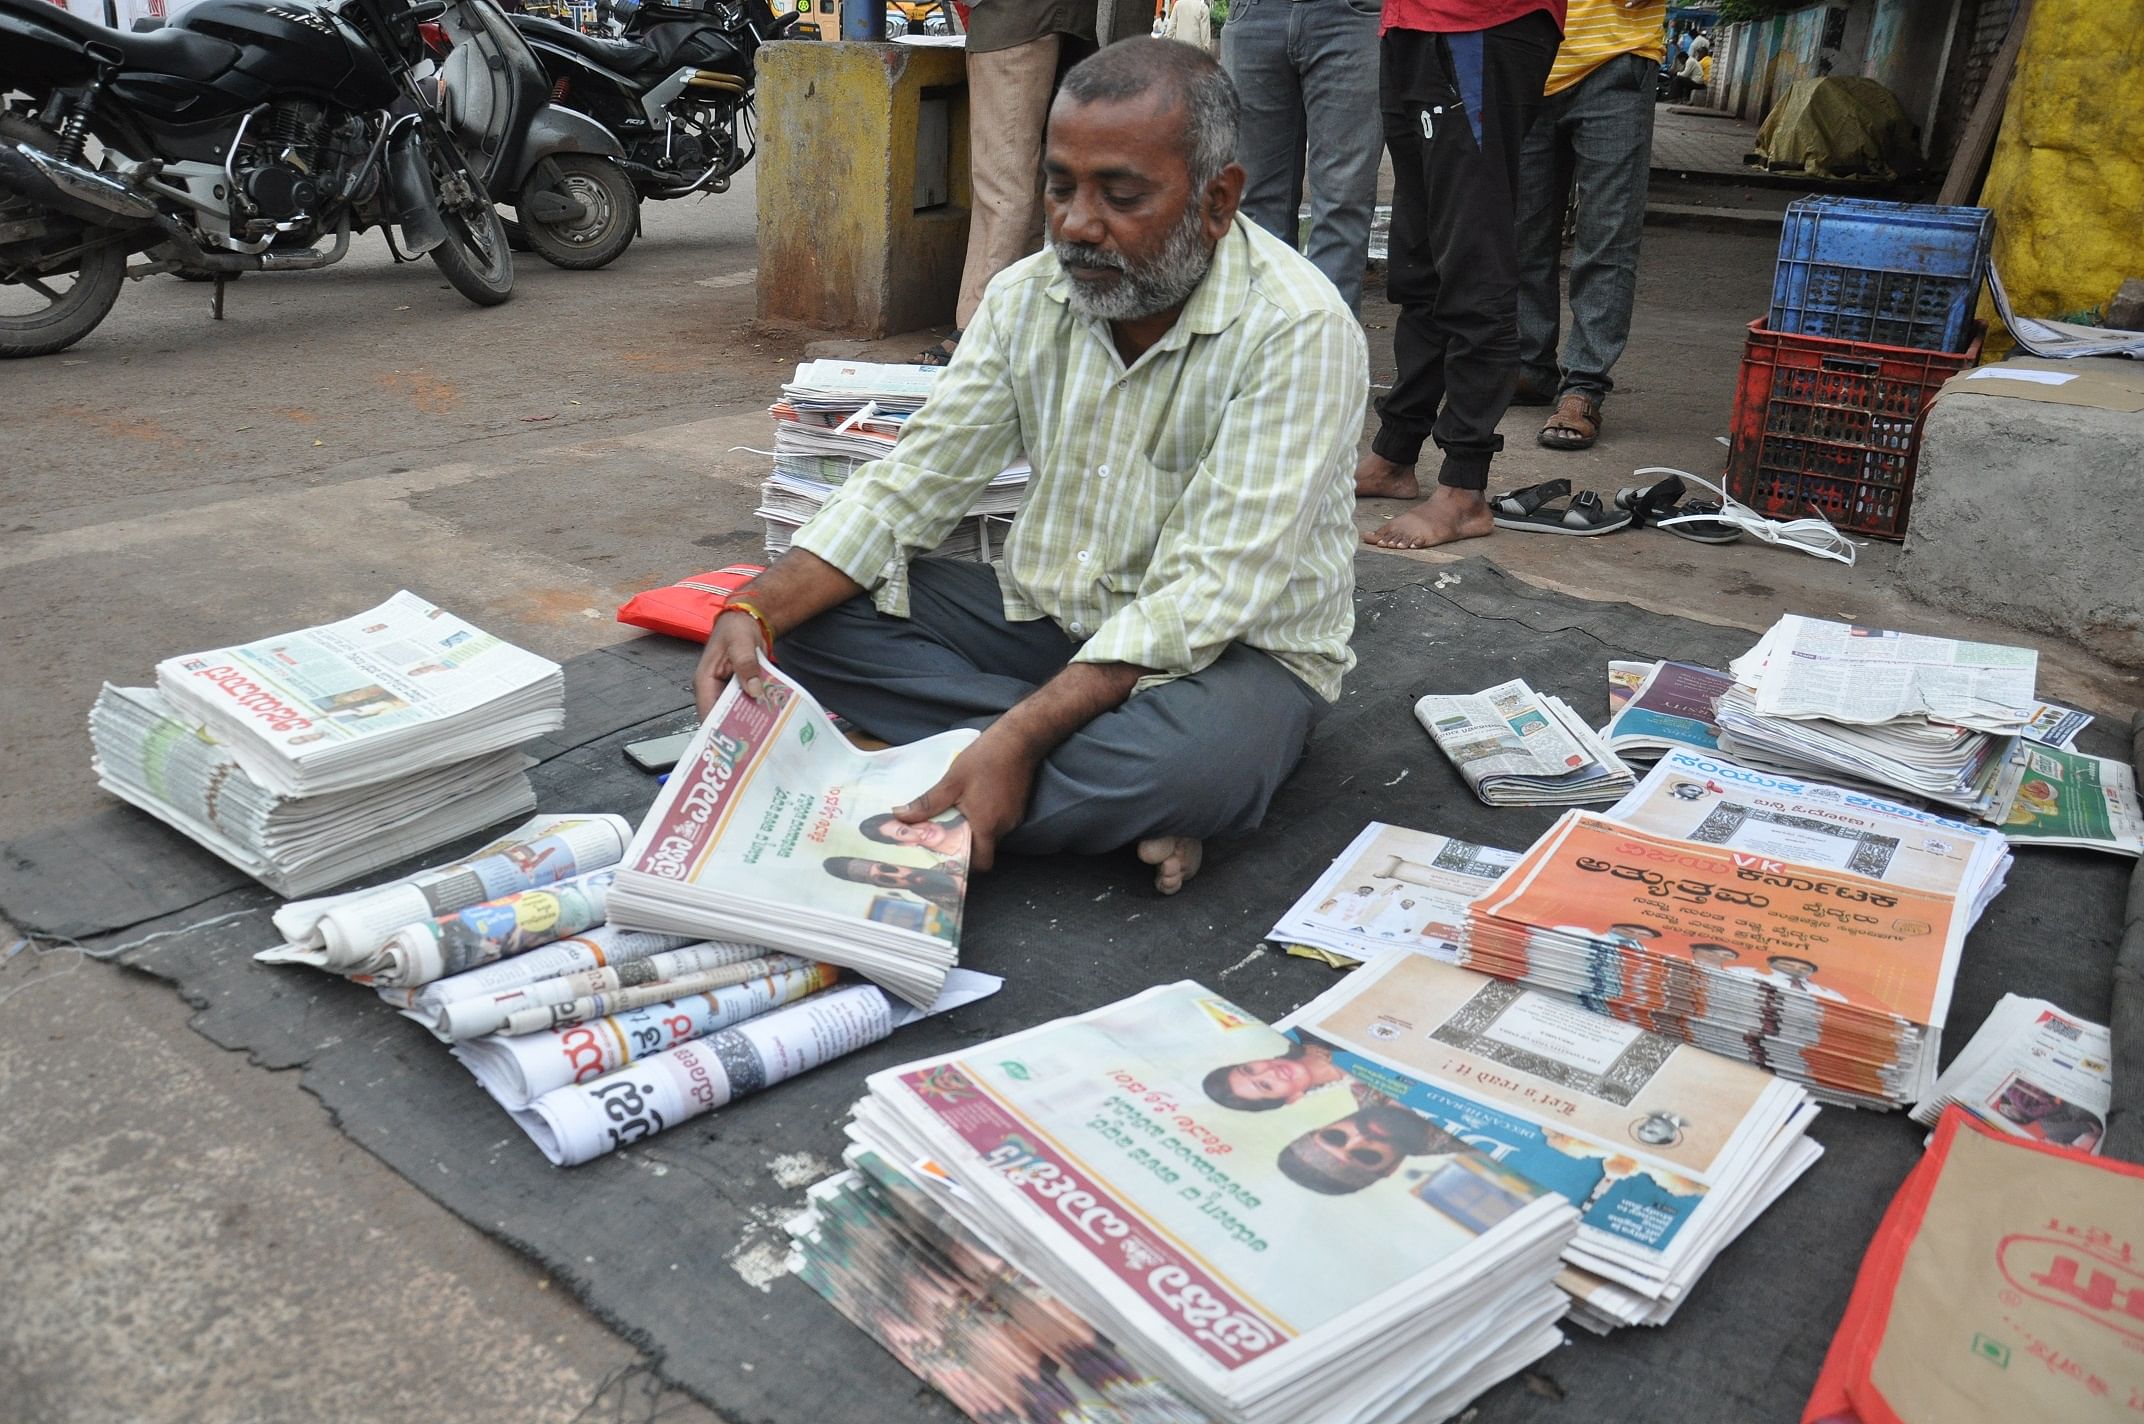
(1393, 889)
(1654, 1141)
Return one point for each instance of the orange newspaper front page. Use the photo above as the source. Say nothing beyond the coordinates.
(1817, 973)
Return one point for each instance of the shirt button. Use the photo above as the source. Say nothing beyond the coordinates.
(1123, 383)
(1102, 473)
(1083, 556)
(1078, 628)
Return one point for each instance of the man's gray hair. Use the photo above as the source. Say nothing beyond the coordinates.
(1186, 74)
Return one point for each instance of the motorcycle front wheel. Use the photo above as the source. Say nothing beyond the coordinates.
(54, 288)
(613, 214)
(475, 257)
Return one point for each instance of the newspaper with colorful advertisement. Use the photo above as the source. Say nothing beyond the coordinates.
(2062, 798)
(1656, 1142)
(1676, 706)
(2034, 1071)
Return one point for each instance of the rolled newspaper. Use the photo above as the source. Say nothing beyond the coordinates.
(618, 1001)
(477, 1014)
(432, 949)
(344, 934)
(516, 1071)
(583, 1122)
(592, 950)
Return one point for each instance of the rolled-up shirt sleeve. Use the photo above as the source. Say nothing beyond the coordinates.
(893, 509)
(1240, 533)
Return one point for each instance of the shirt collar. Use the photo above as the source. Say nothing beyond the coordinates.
(1213, 305)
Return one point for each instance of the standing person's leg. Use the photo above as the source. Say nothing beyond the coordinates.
(1255, 52)
(1336, 48)
(1544, 198)
(955, 661)
(1408, 64)
(1612, 132)
(1195, 758)
(1008, 108)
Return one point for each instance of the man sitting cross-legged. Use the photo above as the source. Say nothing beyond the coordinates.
(1171, 614)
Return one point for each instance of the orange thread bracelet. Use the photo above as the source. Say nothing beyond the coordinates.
(766, 629)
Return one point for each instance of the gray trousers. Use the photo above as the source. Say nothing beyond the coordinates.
(1306, 72)
(1200, 756)
(1597, 134)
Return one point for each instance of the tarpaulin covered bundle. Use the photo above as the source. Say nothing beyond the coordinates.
(1841, 126)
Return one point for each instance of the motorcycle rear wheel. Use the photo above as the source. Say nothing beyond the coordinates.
(613, 218)
(98, 271)
(475, 257)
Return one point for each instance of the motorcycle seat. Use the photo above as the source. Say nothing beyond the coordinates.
(619, 56)
(168, 50)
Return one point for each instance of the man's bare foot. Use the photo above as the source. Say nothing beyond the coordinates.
(1175, 860)
(1378, 478)
(1446, 517)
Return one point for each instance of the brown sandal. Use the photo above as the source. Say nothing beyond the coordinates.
(1575, 425)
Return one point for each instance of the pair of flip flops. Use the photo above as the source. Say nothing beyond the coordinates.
(1534, 510)
(1662, 501)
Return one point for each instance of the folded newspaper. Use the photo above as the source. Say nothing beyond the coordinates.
(147, 754)
(1677, 705)
(392, 691)
(1667, 1151)
(2053, 797)
(1812, 931)
(2034, 1071)
(1392, 890)
(1182, 1255)
(774, 830)
(1516, 747)
(349, 934)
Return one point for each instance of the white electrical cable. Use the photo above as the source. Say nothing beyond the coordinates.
(1815, 535)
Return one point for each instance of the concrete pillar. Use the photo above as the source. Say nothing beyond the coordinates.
(863, 185)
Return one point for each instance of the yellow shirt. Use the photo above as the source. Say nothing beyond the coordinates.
(1596, 31)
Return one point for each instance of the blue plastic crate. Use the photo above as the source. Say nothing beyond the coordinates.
(1903, 274)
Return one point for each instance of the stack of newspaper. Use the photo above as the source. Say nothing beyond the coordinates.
(1810, 930)
(773, 830)
(838, 416)
(1087, 1220)
(1676, 705)
(1667, 1151)
(1516, 747)
(310, 758)
(1933, 717)
(2033, 1071)
(1392, 889)
(395, 690)
(2052, 797)
(146, 754)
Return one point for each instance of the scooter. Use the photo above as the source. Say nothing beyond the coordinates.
(676, 90)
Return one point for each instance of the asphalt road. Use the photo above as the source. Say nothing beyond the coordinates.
(184, 1237)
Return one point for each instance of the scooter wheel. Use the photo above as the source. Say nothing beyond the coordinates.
(610, 221)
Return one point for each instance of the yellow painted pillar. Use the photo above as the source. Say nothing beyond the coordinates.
(2067, 177)
(863, 185)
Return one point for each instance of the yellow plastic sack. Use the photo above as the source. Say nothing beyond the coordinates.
(2067, 178)
(1840, 126)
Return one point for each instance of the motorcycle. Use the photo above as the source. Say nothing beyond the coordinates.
(676, 90)
(249, 135)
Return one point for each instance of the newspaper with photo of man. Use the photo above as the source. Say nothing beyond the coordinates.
(2034, 1070)
(1660, 1145)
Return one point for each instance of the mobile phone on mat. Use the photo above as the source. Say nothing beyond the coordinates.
(657, 753)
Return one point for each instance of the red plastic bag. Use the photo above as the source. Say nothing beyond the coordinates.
(689, 607)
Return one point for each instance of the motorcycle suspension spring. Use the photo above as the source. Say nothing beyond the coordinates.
(74, 132)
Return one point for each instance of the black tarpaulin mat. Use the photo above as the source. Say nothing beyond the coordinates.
(2125, 1125)
(678, 1243)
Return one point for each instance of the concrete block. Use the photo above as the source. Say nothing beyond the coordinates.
(2028, 512)
(2126, 308)
(863, 185)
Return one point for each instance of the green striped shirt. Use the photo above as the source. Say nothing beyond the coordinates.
(1202, 496)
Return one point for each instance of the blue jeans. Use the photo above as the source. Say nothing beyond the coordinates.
(1306, 72)
(1597, 134)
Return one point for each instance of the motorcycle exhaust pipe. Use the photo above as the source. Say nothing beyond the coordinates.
(81, 193)
(416, 201)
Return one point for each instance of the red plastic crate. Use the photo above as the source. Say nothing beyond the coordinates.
(1834, 426)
